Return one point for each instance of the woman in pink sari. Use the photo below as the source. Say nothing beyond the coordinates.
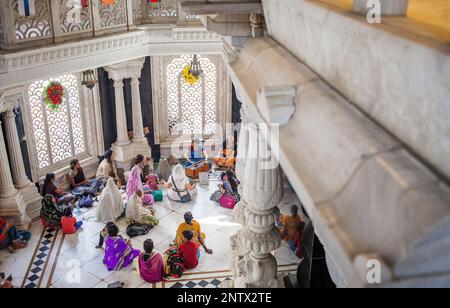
(118, 253)
(135, 182)
(151, 265)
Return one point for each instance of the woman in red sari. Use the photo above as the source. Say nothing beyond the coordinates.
(151, 265)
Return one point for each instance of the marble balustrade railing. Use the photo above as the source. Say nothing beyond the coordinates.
(58, 21)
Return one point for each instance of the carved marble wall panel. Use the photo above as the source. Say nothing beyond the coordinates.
(73, 19)
(33, 27)
(57, 136)
(183, 109)
(113, 15)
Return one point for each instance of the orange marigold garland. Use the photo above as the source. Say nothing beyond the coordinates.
(54, 95)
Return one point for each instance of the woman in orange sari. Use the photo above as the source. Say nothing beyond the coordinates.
(191, 225)
(290, 223)
(228, 158)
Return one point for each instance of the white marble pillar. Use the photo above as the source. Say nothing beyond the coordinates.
(19, 176)
(138, 123)
(7, 188)
(121, 119)
(262, 192)
(12, 205)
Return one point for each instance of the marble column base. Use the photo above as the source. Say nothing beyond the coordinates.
(14, 208)
(125, 154)
(32, 199)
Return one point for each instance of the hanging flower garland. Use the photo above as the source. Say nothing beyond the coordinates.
(188, 77)
(54, 95)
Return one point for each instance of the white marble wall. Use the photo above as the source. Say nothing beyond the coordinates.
(367, 196)
(399, 79)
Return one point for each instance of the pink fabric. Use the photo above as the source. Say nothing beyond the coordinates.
(153, 270)
(227, 201)
(135, 183)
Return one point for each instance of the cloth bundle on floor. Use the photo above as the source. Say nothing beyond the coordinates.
(138, 229)
(164, 170)
(157, 195)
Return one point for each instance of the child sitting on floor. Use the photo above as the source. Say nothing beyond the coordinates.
(189, 250)
(69, 223)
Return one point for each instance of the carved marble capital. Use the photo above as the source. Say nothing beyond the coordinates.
(277, 104)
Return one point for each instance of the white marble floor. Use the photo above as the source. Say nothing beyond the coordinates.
(77, 264)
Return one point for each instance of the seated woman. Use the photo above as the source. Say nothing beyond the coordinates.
(178, 185)
(110, 205)
(78, 182)
(118, 252)
(196, 154)
(151, 265)
(191, 225)
(137, 213)
(107, 168)
(49, 188)
(228, 157)
(135, 181)
(230, 185)
(11, 238)
(51, 212)
(290, 224)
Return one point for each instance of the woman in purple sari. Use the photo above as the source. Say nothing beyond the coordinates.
(135, 182)
(151, 265)
(118, 253)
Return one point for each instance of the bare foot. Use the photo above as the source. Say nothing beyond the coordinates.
(10, 249)
(19, 245)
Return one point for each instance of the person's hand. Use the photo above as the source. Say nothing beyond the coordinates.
(209, 251)
(129, 243)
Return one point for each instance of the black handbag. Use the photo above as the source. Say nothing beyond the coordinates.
(183, 199)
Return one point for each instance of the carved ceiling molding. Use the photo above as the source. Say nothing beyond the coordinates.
(75, 50)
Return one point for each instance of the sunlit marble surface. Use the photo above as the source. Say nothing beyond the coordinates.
(78, 254)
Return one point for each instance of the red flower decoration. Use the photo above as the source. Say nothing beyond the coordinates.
(53, 95)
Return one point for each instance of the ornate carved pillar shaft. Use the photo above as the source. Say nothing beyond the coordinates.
(12, 205)
(7, 188)
(138, 123)
(262, 192)
(19, 176)
(121, 119)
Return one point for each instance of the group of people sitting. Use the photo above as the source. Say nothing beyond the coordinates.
(58, 204)
(151, 265)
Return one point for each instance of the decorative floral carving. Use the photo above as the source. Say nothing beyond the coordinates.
(66, 24)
